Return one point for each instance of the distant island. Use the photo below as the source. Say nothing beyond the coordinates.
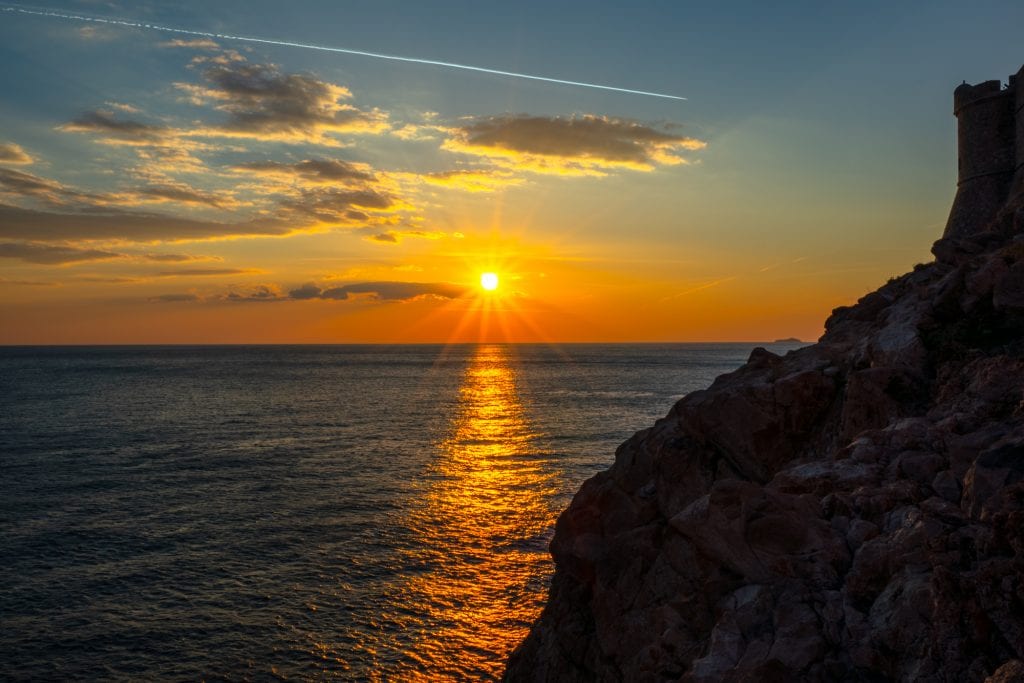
(850, 511)
(788, 340)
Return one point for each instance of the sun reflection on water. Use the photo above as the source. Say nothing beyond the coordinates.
(484, 525)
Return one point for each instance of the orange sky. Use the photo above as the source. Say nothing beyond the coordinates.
(165, 189)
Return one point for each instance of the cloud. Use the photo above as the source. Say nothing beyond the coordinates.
(29, 185)
(256, 293)
(73, 214)
(576, 145)
(62, 254)
(335, 206)
(163, 150)
(473, 181)
(329, 192)
(205, 272)
(20, 184)
(381, 291)
(264, 103)
(109, 223)
(310, 172)
(195, 44)
(11, 153)
(175, 258)
(177, 192)
(118, 131)
(174, 298)
(97, 33)
(52, 255)
(307, 291)
(396, 236)
(121, 106)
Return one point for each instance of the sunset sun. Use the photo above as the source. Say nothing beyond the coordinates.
(489, 281)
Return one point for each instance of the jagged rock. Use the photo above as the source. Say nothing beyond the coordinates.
(853, 510)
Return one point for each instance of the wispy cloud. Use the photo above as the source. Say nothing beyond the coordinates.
(11, 153)
(205, 272)
(172, 192)
(64, 254)
(381, 291)
(193, 44)
(115, 130)
(111, 223)
(175, 298)
(396, 236)
(51, 255)
(311, 172)
(473, 181)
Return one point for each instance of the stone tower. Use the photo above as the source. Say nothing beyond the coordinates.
(1017, 83)
(990, 144)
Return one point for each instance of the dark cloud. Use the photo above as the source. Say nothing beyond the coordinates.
(60, 254)
(52, 255)
(307, 291)
(174, 258)
(21, 184)
(315, 171)
(115, 224)
(11, 153)
(334, 205)
(381, 291)
(107, 125)
(204, 272)
(174, 298)
(264, 103)
(396, 236)
(257, 293)
(571, 145)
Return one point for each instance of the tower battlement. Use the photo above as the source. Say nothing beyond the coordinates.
(990, 146)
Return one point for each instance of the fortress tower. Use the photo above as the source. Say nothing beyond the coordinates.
(990, 143)
(1017, 84)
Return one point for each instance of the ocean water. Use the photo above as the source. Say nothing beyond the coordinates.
(293, 512)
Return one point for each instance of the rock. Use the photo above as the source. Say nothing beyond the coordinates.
(1010, 672)
(853, 510)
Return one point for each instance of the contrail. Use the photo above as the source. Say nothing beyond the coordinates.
(42, 12)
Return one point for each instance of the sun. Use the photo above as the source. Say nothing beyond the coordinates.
(489, 281)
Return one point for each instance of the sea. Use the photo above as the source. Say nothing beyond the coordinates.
(364, 513)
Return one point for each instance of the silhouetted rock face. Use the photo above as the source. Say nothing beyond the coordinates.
(853, 510)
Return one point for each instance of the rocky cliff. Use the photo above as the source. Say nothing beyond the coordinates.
(853, 510)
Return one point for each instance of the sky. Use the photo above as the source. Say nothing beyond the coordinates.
(170, 188)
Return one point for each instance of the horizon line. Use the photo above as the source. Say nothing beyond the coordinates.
(431, 343)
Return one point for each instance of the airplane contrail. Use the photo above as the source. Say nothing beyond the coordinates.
(42, 12)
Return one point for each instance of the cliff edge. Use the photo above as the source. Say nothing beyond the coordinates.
(853, 510)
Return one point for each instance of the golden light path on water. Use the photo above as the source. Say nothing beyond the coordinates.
(484, 523)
